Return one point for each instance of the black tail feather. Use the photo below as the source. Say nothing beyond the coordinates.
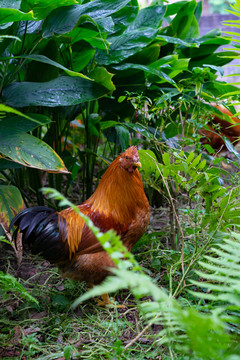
(42, 232)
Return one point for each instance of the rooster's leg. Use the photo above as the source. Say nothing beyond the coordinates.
(107, 302)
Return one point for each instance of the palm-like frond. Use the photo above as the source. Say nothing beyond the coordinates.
(221, 281)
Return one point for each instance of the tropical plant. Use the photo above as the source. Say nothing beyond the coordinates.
(70, 65)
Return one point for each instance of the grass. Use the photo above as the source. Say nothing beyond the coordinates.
(50, 330)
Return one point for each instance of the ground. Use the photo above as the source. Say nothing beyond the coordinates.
(50, 330)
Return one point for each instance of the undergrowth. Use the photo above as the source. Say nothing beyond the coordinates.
(180, 303)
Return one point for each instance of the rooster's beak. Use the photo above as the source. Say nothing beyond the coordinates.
(137, 164)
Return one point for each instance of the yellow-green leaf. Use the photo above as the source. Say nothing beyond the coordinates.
(11, 203)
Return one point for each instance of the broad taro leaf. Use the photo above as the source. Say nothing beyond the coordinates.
(44, 59)
(175, 7)
(216, 59)
(81, 56)
(125, 16)
(12, 15)
(104, 25)
(33, 120)
(122, 136)
(176, 66)
(103, 77)
(126, 45)
(162, 70)
(198, 11)
(208, 43)
(29, 27)
(64, 19)
(41, 8)
(41, 70)
(174, 40)
(184, 24)
(61, 91)
(25, 149)
(107, 124)
(146, 56)
(148, 17)
(147, 69)
(11, 203)
(136, 37)
(93, 37)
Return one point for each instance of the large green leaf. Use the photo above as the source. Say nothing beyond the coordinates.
(11, 203)
(207, 45)
(147, 69)
(125, 16)
(175, 7)
(122, 136)
(12, 15)
(82, 55)
(64, 19)
(176, 66)
(33, 119)
(126, 45)
(6, 39)
(44, 59)
(94, 38)
(146, 56)
(41, 8)
(216, 59)
(136, 37)
(29, 27)
(42, 70)
(62, 91)
(175, 40)
(103, 77)
(26, 149)
(148, 17)
(185, 20)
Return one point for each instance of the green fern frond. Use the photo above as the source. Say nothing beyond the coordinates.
(221, 276)
(198, 335)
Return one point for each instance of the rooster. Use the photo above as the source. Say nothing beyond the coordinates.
(63, 238)
(228, 128)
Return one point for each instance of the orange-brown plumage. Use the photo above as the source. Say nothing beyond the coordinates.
(118, 203)
(228, 126)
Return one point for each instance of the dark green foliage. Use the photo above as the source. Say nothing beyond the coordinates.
(117, 48)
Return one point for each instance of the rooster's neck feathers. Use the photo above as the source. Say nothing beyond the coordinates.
(118, 194)
(114, 204)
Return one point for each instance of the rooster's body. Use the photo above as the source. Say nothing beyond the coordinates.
(64, 239)
(229, 129)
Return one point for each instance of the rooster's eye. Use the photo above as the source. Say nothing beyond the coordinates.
(127, 158)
